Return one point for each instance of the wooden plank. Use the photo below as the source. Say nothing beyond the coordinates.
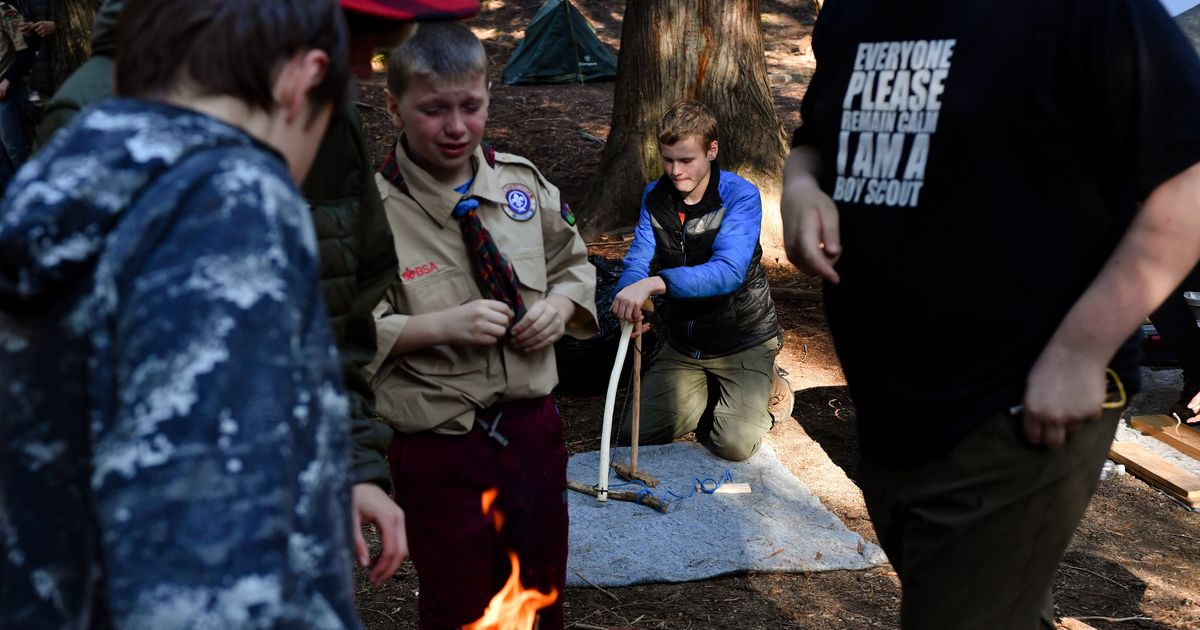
(729, 488)
(1168, 430)
(1157, 471)
(1070, 623)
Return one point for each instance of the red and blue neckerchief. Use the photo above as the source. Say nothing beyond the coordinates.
(492, 268)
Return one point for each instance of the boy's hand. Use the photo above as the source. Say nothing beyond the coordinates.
(373, 505)
(544, 323)
(1065, 390)
(638, 331)
(810, 221)
(627, 305)
(476, 323)
(1194, 405)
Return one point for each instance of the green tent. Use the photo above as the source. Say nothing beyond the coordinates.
(560, 46)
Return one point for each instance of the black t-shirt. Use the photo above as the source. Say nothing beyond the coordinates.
(985, 157)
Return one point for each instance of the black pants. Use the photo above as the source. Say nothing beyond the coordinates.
(976, 536)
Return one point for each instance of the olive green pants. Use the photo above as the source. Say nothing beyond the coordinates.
(733, 391)
(976, 536)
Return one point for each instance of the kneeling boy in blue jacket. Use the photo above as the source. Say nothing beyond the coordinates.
(700, 227)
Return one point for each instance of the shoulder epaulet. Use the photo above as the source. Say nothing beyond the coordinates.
(513, 159)
(391, 171)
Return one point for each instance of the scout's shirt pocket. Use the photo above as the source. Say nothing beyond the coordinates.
(439, 291)
(530, 266)
(530, 374)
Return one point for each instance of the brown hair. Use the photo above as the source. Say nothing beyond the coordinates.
(228, 47)
(444, 53)
(685, 118)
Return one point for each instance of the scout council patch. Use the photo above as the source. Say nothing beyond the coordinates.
(519, 204)
(567, 215)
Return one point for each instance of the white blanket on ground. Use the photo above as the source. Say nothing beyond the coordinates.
(778, 527)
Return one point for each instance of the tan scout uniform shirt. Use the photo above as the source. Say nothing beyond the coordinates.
(442, 387)
(11, 40)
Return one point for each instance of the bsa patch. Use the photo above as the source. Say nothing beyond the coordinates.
(519, 205)
(412, 273)
(567, 215)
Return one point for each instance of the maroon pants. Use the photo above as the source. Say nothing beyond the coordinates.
(461, 560)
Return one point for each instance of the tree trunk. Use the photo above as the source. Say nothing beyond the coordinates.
(709, 50)
(72, 39)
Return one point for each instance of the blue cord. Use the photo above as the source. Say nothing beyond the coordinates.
(707, 485)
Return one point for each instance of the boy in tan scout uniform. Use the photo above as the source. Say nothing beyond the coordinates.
(491, 273)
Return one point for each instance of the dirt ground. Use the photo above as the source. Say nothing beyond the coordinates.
(1136, 556)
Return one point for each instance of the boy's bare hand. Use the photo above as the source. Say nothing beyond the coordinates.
(544, 323)
(810, 228)
(1064, 391)
(638, 331)
(627, 305)
(44, 28)
(373, 505)
(476, 323)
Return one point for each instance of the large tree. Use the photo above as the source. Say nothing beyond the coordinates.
(709, 50)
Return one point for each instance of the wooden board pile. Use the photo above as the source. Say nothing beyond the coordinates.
(1157, 471)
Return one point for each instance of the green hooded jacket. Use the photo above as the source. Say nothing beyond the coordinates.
(358, 263)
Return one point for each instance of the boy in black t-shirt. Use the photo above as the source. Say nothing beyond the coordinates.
(1001, 169)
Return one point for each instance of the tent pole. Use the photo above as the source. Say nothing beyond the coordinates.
(574, 39)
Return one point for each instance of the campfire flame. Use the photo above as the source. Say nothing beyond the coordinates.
(489, 498)
(514, 607)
